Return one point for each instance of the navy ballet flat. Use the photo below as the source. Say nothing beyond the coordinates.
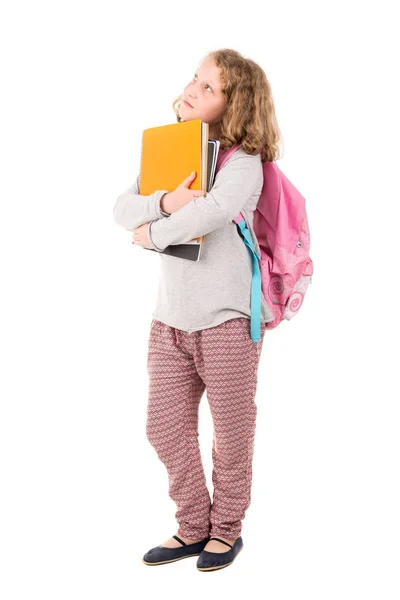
(210, 561)
(161, 555)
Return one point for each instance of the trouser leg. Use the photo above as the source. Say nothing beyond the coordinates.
(227, 361)
(175, 391)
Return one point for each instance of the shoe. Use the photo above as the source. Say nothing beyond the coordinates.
(210, 561)
(160, 554)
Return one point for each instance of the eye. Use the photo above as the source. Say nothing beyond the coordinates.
(207, 86)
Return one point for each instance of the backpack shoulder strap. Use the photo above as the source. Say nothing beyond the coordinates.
(223, 156)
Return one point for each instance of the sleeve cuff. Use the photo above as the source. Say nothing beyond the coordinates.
(149, 235)
(158, 195)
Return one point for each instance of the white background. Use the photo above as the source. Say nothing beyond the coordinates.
(83, 494)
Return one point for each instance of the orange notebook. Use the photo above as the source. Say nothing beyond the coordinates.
(169, 154)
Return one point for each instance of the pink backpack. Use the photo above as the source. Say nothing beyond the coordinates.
(284, 269)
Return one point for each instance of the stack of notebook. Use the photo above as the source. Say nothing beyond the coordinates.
(169, 153)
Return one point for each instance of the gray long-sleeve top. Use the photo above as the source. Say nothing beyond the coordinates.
(195, 295)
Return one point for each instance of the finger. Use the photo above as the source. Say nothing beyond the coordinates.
(189, 179)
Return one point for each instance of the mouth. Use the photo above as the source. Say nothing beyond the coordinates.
(187, 104)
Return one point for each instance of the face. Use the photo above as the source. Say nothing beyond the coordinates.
(204, 93)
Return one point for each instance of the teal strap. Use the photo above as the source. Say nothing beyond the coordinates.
(255, 301)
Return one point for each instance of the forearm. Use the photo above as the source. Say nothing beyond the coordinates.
(132, 210)
(190, 221)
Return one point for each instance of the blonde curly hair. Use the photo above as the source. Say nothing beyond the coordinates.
(249, 118)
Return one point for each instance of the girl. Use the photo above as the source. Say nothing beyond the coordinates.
(200, 332)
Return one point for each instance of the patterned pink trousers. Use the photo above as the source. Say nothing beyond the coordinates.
(222, 360)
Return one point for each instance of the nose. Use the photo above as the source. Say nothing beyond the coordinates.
(189, 89)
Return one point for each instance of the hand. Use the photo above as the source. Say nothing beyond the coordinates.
(140, 236)
(175, 200)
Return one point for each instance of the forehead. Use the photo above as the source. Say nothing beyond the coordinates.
(209, 70)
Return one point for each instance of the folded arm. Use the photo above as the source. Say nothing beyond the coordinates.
(235, 183)
(132, 210)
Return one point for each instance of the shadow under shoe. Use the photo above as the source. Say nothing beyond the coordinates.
(210, 561)
(161, 555)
